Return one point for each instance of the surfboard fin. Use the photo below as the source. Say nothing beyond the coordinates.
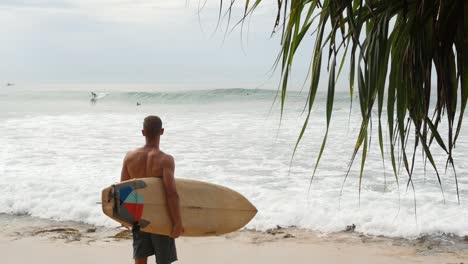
(144, 223)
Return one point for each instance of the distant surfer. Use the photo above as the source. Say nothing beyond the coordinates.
(150, 161)
(138, 103)
(93, 97)
(10, 84)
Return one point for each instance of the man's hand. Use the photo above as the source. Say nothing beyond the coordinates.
(177, 230)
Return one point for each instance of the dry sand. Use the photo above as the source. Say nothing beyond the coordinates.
(81, 245)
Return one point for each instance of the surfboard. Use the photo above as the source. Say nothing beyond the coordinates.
(206, 209)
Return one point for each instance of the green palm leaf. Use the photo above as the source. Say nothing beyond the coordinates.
(394, 45)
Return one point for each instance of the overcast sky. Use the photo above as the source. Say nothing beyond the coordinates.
(161, 42)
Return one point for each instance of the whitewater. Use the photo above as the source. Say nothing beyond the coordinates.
(61, 147)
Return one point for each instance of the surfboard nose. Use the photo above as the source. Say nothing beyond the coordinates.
(248, 206)
(252, 209)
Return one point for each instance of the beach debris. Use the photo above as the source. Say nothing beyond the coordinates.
(279, 230)
(274, 231)
(91, 230)
(288, 236)
(125, 234)
(350, 228)
(91, 241)
(65, 230)
(69, 234)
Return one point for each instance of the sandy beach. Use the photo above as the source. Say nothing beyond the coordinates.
(27, 240)
(245, 248)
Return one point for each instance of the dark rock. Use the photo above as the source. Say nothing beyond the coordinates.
(350, 228)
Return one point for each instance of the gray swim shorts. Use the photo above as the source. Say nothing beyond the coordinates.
(146, 244)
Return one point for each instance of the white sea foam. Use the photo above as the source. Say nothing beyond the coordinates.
(54, 162)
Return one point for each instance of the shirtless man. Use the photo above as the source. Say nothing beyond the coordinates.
(150, 161)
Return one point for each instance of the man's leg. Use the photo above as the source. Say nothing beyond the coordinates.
(142, 246)
(141, 260)
(164, 249)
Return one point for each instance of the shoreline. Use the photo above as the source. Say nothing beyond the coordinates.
(50, 241)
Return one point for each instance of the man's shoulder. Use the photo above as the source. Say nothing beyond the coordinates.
(132, 153)
(167, 159)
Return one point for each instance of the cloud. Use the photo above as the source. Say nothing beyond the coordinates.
(131, 41)
(145, 12)
(112, 11)
(36, 4)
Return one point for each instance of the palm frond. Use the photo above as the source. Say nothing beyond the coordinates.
(394, 45)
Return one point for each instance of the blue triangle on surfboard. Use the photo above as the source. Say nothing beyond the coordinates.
(135, 198)
(124, 192)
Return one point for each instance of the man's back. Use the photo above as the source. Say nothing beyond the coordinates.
(146, 162)
(149, 161)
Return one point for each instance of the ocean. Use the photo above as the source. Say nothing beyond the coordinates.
(60, 147)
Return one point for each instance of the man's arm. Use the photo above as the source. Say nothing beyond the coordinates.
(124, 175)
(172, 196)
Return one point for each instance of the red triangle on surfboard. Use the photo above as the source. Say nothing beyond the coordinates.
(136, 210)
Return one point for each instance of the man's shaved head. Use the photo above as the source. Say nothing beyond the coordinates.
(152, 126)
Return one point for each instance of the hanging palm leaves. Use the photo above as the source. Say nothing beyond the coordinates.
(393, 47)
